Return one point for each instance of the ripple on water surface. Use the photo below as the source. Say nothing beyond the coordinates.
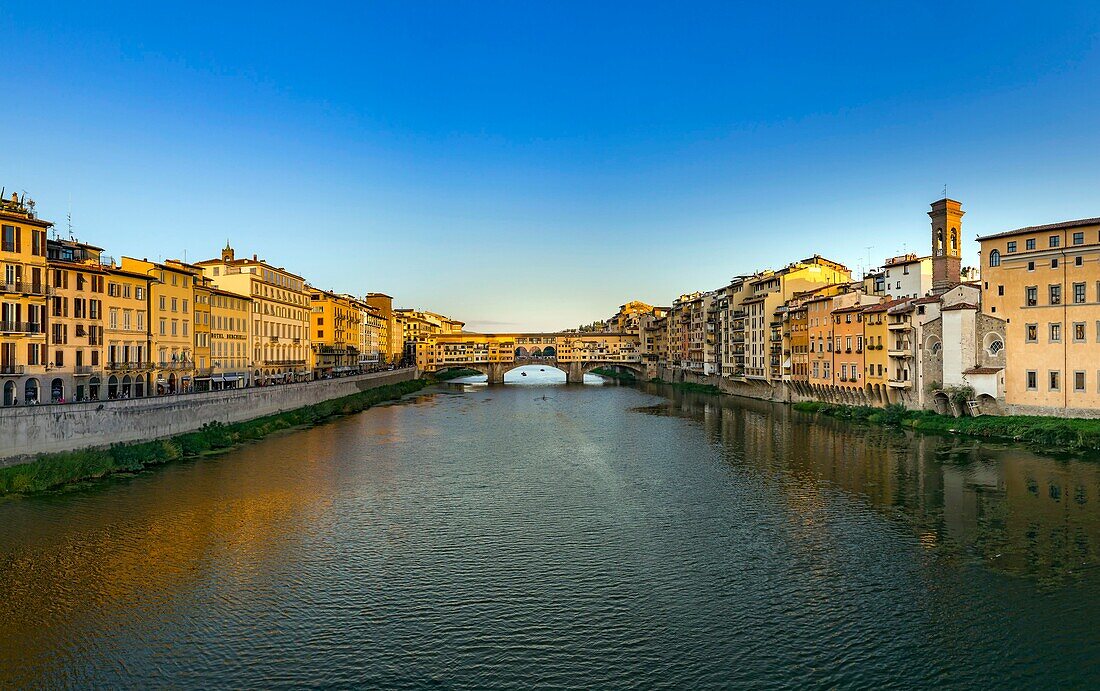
(560, 536)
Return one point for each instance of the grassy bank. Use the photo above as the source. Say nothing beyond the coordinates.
(52, 470)
(449, 374)
(1048, 433)
(687, 386)
(615, 374)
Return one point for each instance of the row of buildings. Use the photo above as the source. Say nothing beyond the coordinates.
(1015, 335)
(75, 324)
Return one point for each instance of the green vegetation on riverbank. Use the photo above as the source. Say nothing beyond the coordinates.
(625, 376)
(1050, 433)
(687, 386)
(448, 374)
(52, 470)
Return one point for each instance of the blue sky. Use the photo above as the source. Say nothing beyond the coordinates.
(534, 165)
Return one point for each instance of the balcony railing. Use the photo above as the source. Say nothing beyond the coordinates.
(21, 327)
(280, 363)
(119, 366)
(178, 364)
(25, 287)
(11, 370)
(82, 370)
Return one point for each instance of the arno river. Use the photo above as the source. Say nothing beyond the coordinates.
(564, 536)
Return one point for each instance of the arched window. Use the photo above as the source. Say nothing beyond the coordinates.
(30, 391)
(996, 346)
(936, 346)
(954, 239)
(9, 393)
(995, 258)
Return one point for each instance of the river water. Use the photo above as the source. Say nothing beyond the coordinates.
(596, 536)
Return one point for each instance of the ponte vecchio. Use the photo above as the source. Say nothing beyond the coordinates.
(495, 354)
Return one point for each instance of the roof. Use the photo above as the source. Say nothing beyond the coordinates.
(960, 306)
(1038, 229)
(884, 306)
(853, 308)
(926, 300)
(983, 370)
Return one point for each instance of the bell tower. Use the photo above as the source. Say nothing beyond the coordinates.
(946, 215)
(227, 253)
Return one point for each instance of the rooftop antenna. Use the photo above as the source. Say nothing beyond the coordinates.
(69, 218)
(945, 190)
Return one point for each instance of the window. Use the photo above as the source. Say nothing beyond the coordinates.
(1055, 380)
(996, 346)
(1032, 333)
(1078, 260)
(994, 258)
(1079, 381)
(1031, 266)
(1054, 263)
(1078, 293)
(1079, 238)
(1056, 332)
(1079, 332)
(1012, 247)
(1000, 290)
(1055, 240)
(1056, 294)
(936, 348)
(1032, 380)
(1032, 295)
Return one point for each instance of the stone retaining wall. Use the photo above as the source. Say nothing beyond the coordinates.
(26, 431)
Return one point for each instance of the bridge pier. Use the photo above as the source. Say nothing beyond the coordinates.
(574, 373)
(495, 372)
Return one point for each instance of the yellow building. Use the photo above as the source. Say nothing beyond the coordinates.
(128, 363)
(76, 337)
(171, 328)
(229, 339)
(280, 314)
(876, 338)
(200, 325)
(1044, 281)
(392, 337)
(336, 322)
(23, 290)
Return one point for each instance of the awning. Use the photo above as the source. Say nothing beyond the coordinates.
(216, 378)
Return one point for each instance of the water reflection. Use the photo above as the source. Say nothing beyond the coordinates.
(1004, 506)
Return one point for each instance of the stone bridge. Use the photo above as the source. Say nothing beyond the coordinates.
(574, 371)
(495, 355)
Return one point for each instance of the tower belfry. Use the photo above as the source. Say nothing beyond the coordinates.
(946, 215)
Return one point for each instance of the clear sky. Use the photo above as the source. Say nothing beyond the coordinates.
(535, 165)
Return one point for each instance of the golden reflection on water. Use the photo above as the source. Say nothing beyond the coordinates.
(225, 523)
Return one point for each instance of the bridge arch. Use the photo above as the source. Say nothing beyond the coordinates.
(574, 371)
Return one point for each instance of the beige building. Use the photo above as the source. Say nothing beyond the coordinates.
(280, 314)
(23, 291)
(1044, 282)
(171, 332)
(230, 341)
(76, 338)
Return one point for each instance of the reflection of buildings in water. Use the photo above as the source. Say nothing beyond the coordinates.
(1020, 512)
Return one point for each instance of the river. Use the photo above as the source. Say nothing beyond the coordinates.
(538, 534)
